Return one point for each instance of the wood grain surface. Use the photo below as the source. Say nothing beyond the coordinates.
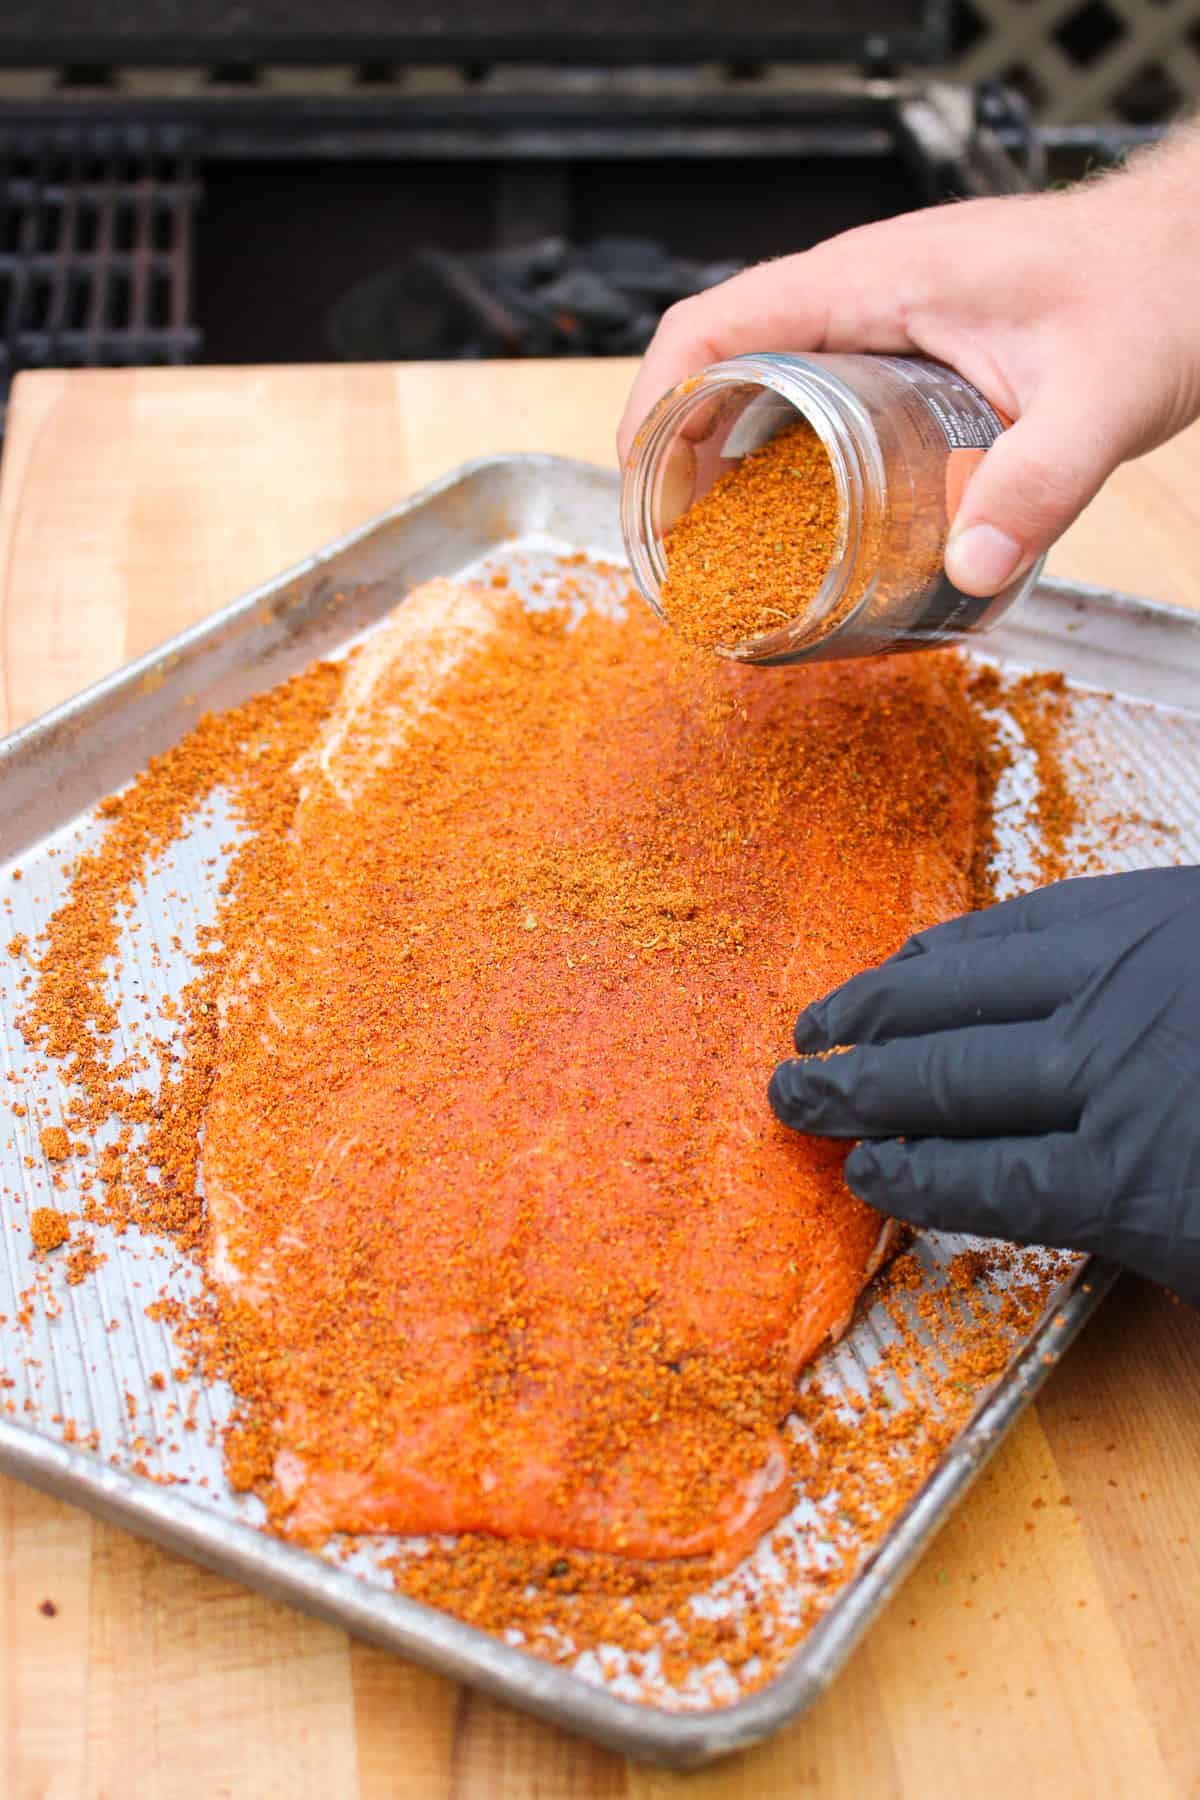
(1049, 1642)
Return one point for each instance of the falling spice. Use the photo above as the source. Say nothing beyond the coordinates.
(752, 553)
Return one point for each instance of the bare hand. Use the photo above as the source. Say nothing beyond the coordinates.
(1077, 314)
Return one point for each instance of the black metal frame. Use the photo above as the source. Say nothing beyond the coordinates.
(123, 295)
(534, 127)
(96, 248)
(173, 32)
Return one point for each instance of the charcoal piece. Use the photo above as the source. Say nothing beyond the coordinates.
(631, 339)
(635, 337)
(628, 260)
(542, 299)
(539, 261)
(642, 268)
(534, 329)
(712, 274)
(693, 278)
(472, 301)
(396, 315)
(586, 297)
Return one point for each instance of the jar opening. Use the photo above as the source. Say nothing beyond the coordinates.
(700, 433)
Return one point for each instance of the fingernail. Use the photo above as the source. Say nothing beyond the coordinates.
(981, 560)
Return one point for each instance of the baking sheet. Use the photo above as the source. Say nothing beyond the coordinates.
(89, 1354)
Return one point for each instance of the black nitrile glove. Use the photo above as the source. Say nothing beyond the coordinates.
(1033, 1072)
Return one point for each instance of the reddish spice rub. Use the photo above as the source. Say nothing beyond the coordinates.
(250, 750)
(857, 1464)
(56, 1145)
(751, 554)
(560, 1601)
(48, 1228)
(488, 1149)
(1040, 707)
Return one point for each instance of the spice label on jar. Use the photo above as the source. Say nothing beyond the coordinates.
(949, 415)
(952, 416)
(946, 613)
(966, 420)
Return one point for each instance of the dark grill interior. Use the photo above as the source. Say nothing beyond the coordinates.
(96, 234)
(279, 246)
(148, 216)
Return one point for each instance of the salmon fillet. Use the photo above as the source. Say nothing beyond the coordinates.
(488, 1158)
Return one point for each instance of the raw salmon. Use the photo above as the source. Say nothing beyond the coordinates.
(488, 1157)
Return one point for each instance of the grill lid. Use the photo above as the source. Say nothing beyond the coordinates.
(233, 32)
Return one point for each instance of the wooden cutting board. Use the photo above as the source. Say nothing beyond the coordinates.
(1048, 1642)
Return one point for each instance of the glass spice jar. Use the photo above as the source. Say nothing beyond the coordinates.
(902, 435)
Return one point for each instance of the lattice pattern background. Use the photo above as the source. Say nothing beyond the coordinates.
(1085, 61)
(1077, 62)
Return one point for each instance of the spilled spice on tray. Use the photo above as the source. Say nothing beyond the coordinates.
(490, 887)
(56, 1145)
(48, 1228)
(84, 1259)
(1040, 707)
(249, 753)
(751, 554)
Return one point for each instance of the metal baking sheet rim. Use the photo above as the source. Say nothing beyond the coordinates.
(393, 1621)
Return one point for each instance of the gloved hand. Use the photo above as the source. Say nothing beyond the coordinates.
(1031, 1072)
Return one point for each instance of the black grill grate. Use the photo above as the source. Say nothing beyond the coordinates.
(96, 229)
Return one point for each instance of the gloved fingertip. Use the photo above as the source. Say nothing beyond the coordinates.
(911, 947)
(809, 1032)
(781, 1093)
(879, 1172)
(862, 1172)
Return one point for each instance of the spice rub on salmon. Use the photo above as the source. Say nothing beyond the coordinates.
(488, 1155)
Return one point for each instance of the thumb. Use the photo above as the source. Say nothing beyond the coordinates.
(1034, 481)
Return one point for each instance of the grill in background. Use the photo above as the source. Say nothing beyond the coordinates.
(1134, 62)
(107, 256)
(331, 154)
(96, 233)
